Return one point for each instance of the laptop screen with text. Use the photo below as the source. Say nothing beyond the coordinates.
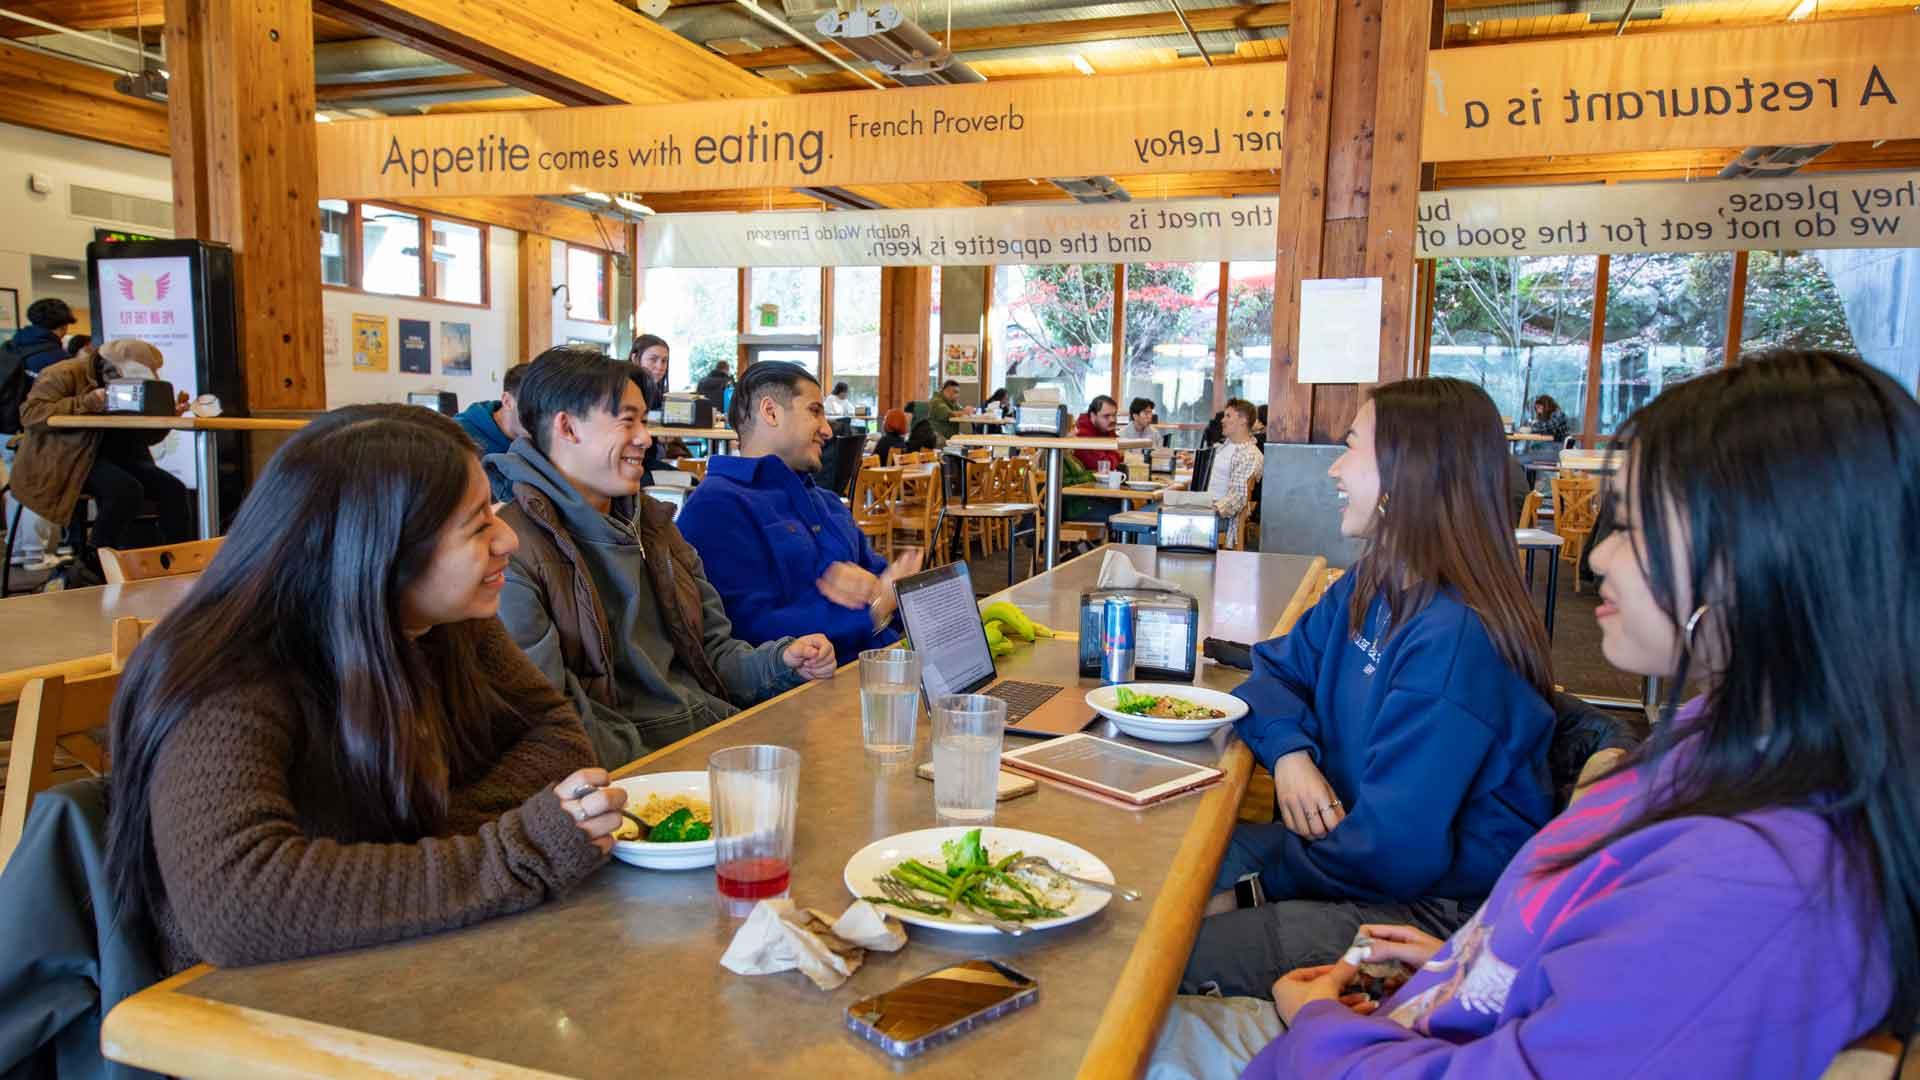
(943, 622)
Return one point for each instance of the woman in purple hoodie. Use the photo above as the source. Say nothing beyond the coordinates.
(1741, 897)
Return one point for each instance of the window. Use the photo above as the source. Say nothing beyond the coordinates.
(390, 251)
(697, 312)
(1666, 321)
(1249, 330)
(1518, 327)
(1172, 315)
(459, 266)
(934, 335)
(1793, 302)
(856, 332)
(1053, 325)
(336, 224)
(793, 295)
(587, 279)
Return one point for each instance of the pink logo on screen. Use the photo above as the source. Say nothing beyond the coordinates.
(146, 290)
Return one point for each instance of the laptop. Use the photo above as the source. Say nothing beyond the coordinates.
(943, 620)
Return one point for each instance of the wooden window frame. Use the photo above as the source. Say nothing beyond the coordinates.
(429, 276)
(567, 247)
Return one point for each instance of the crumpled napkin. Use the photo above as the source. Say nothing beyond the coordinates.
(778, 936)
(1118, 572)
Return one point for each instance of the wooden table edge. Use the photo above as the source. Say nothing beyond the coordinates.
(179, 1034)
(1303, 598)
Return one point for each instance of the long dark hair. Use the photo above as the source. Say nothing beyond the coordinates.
(1795, 479)
(1443, 476)
(304, 596)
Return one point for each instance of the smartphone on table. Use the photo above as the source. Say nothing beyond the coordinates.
(914, 1016)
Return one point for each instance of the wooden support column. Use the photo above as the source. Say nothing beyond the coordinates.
(1736, 308)
(1596, 348)
(240, 108)
(536, 296)
(1349, 194)
(906, 303)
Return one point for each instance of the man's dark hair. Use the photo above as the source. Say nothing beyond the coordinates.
(1140, 405)
(52, 313)
(720, 367)
(572, 379)
(510, 382)
(1094, 406)
(774, 379)
(76, 343)
(949, 385)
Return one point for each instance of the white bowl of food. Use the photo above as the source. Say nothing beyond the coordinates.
(655, 802)
(1166, 712)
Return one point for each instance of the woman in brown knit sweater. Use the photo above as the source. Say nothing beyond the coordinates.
(332, 743)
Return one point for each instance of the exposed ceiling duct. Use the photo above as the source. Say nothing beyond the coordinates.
(896, 45)
(374, 60)
(1769, 162)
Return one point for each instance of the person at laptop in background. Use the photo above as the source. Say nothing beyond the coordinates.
(493, 425)
(1140, 419)
(1406, 718)
(1236, 467)
(783, 552)
(605, 596)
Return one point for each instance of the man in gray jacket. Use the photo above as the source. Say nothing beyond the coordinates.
(604, 594)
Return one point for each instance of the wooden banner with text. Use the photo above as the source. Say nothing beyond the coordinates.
(1820, 82)
(1182, 121)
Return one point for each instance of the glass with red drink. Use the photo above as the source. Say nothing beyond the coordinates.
(755, 789)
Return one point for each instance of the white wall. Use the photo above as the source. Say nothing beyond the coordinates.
(565, 329)
(496, 332)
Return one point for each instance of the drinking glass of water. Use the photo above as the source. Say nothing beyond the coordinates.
(889, 702)
(754, 790)
(967, 731)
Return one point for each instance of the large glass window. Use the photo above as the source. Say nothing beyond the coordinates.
(697, 312)
(934, 334)
(1516, 326)
(459, 262)
(336, 221)
(586, 284)
(1053, 325)
(1172, 316)
(856, 332)
(1249, 329)
(389, 251)
(1666, 321)
(793, 292)
(1792, 302)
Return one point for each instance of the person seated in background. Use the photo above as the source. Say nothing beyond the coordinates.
(893, 436)
(941, 409)
(609, 601)
(1141, 416)
(1405, 718)
(1237, 465)
(1549, 420)
(493, 425)
(996, 404)
(649, 357)
(38, 345)
(783, 552)
(838, 405)
(715, 384)
(331, 742)
(55, 467)
(1097, 423)
(1765, 831)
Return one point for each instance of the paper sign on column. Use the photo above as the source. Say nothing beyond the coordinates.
(1340, 330)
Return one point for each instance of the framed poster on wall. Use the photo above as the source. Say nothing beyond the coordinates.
(370, 343)
(414, 357)
(456, 348)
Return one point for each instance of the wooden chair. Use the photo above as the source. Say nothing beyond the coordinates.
(874, 496)
(1576, 509)
(170, 560)
(978, 513)
(68, 712)
(1530, 511)
(1071, 532)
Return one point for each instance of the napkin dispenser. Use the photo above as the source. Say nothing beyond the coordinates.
(686, 410)
(1041, 420)
(1166, 633)
(140, 397)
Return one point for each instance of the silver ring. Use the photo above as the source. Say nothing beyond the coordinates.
(579, 812)
(1326, 808)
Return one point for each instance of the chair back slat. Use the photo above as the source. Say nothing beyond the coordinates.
(55, 710)
(169, 560)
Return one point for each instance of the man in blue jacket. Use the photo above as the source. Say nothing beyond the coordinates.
(493, 425)
(783, 553)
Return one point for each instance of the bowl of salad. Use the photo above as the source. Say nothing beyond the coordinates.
(1166, 712)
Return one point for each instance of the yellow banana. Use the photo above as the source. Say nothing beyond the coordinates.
(1042, 631)
(1002, 648)
(994, 634)
(1017, 622)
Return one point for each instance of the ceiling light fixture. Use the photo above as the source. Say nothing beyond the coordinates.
(1800, 11)
(322, 118)
(632, 206)
(1080, 64)
(597, 196)
(64, 275)
(896, 45)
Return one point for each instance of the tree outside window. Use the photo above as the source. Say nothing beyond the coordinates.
(1516, 326)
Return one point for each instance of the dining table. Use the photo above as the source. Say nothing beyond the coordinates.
(621, 975)
(1050, 448)
(70, 631)
(206, 461)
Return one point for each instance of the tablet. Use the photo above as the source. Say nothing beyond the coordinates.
(1127, 773)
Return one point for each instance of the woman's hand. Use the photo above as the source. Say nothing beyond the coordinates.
(1403, 943)
(593, 806)
(95, 400)
(1298, 987)
(1308, 806)
(811, 656)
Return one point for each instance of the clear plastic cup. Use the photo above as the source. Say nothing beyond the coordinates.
(967, 733)
(889, 702)
(755, 789)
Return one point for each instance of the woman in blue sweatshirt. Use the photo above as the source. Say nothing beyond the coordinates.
(1741, 896)
(1405, 719)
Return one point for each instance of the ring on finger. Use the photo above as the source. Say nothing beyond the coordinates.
(579, 812)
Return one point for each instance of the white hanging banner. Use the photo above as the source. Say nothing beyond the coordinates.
(1195, 230)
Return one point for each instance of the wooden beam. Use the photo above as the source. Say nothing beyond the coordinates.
(1061, 32)
(536, 216)
(74, 99)
(430, 84)
(1736, 309)
(1302, 213)
(80, 15)
(240, 105)
(906, 305)
(535, 292)
(1596, 347)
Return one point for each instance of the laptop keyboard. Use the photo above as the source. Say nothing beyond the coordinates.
(1021, 697)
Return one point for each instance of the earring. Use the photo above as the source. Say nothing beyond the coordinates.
(1693, 623)
(1381, 506)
